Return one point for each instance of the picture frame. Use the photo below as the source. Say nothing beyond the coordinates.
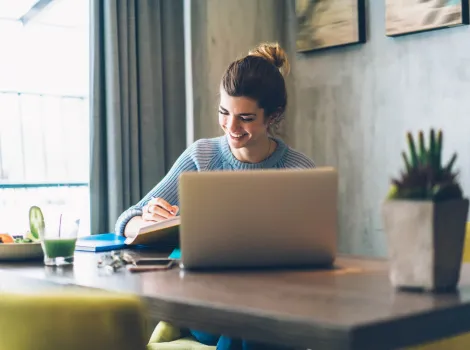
(416, 16)
(325, 24)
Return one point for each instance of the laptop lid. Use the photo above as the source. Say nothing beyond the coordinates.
(258, 218)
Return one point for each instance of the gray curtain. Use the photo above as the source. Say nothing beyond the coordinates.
(137, 101)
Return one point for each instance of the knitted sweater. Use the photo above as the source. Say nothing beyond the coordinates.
(209, 155)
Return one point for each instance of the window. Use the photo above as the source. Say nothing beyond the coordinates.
(44, 115)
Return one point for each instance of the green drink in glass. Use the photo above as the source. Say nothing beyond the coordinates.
(60, 247)
(57, 239)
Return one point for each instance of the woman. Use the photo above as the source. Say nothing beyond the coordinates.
(253, 100)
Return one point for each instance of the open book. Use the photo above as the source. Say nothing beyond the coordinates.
(165, 232)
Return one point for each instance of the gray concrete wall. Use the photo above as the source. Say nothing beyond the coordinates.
(354, 105)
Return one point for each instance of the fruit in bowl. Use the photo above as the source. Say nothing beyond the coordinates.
(6, 238)
(24, 238)
(19, 247)
(36, 225)
(27, 245)
(36, 222)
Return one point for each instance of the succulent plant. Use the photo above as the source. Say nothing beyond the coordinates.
(424, 177)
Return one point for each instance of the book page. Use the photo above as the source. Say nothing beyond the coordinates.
(156, 233)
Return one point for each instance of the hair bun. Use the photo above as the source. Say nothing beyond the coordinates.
(273, 53)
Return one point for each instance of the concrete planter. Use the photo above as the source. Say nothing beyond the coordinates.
(425, 242)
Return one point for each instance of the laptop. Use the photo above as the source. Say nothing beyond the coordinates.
(258, 218)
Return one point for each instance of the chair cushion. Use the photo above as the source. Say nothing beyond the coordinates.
(165, 332)
(188, 343)
(460, 342)
(91, 321)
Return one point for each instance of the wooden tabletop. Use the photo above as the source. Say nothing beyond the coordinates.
(350, 307)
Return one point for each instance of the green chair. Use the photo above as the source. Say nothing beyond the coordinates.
(72, 321)
(460, 342)
(180, 344)
(168, 337)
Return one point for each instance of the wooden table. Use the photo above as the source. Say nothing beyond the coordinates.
(350, 307)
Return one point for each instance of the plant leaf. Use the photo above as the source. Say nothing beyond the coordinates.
(407, 163)
(422, 149)
(439, 149)
(448, 168)
(411, 145)
(432, 151)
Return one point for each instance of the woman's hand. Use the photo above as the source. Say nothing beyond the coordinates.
(158, 209)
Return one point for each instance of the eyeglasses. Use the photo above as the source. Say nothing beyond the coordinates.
(114, 261)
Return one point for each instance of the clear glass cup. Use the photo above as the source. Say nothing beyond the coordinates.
(58, 240)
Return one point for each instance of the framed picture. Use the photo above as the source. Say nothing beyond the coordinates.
(324, 24)
(413, 16)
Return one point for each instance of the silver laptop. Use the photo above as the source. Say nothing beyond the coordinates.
(258, 218)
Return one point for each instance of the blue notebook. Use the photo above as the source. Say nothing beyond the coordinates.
(101, 242)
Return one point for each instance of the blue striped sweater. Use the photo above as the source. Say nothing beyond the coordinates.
(209, 155)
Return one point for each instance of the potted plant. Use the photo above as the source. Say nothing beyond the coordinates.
(424, 219)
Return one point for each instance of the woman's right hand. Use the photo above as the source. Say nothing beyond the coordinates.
(158, 209)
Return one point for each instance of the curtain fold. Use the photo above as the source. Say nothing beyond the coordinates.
(137, 101)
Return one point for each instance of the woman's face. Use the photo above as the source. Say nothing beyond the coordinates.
(242, 120)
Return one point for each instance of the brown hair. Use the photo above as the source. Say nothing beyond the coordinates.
(259, 76)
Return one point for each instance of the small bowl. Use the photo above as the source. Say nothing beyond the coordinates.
(21, 251)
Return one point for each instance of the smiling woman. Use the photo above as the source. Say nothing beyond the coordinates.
(253, 99)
